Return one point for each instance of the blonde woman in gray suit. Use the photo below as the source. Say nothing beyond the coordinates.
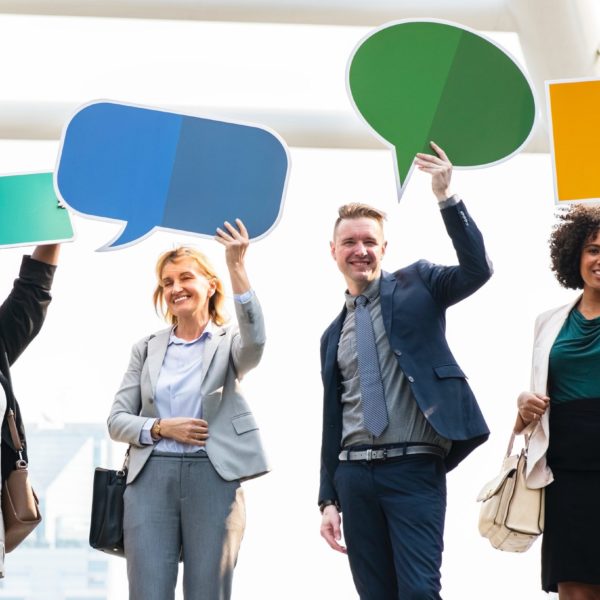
(192, 434)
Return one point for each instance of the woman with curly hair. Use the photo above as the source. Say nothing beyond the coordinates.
(562, 412)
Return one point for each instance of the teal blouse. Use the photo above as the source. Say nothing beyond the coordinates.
(574, 366)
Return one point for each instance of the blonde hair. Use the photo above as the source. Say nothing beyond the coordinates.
(216, 302)
(357, 210)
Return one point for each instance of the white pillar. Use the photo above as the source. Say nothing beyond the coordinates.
(560, 40)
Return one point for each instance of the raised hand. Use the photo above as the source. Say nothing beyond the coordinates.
(440, 169)
(236, 242)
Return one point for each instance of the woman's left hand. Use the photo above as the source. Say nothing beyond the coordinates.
(236, 242)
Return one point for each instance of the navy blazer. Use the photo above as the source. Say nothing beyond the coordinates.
(413, 306)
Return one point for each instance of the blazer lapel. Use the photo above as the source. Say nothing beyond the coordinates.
(333, 338)
(386, 290)
(157, 348)
(210, 347)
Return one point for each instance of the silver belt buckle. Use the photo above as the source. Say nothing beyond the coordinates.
(369, 455)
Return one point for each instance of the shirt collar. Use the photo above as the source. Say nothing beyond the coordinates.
(206, 334)
(371, 292)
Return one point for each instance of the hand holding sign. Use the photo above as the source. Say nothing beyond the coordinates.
(440, 169)
(155, 169)
(30, 213)
(416, 81)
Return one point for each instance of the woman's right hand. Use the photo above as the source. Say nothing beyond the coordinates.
(531, 407)
(185, 430)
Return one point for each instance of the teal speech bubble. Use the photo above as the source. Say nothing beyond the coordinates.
(416, 81)
(30, 212)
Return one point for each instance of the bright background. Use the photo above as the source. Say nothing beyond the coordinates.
(68, 376)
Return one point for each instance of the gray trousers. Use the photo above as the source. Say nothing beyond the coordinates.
(179, 508)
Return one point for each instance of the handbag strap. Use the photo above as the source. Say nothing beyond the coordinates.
(11, 407)
(125, 466)
(511, 442)
(14, 433)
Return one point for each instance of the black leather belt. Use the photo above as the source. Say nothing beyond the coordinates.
(384, 453)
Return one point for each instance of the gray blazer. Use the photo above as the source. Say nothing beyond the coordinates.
(234, 445)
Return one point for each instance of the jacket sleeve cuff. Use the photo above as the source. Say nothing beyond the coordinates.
(37, 272)
(448, 202)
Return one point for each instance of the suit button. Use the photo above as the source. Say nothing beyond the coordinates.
(411, 378)
(397, 353)
(151, 401)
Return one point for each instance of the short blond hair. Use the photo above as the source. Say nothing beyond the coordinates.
(216, 302)
(357, 210)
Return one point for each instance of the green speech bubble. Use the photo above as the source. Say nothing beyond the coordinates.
(30, 212)
(416, 81)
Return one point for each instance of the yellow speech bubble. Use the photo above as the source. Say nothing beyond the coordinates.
(574, 114)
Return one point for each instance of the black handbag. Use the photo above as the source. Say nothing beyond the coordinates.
(106, 525)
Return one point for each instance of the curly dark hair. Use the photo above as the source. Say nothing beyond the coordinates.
(577, 224)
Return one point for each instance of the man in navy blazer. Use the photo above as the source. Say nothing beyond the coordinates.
(391, 485)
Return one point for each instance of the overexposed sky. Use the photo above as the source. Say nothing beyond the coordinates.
(103, 300)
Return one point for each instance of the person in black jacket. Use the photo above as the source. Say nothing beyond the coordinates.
(21, 317)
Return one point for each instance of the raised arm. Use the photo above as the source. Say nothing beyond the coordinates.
(452, 284)
(248, 344)
(24, 310)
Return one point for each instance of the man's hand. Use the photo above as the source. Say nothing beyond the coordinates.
(440, 169)
(330, 528)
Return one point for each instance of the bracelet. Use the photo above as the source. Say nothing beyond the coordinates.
(327, 503)
(155, 431)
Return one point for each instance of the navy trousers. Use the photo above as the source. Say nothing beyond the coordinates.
(393, 520)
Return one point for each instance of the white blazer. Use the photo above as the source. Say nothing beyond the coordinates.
(234, 446)
(547, 327)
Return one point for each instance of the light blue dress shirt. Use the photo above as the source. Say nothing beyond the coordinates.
(178, 386)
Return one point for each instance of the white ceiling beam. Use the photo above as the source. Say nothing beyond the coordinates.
(490, 15)
(302, 129)
(307, 129)
(560, 40)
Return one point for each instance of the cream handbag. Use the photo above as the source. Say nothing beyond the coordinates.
(511, 515)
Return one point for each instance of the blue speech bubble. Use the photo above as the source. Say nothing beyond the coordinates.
(156, 169)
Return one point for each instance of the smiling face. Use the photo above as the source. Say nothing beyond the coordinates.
(357, 248)
(186, 290)
(589, 265)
